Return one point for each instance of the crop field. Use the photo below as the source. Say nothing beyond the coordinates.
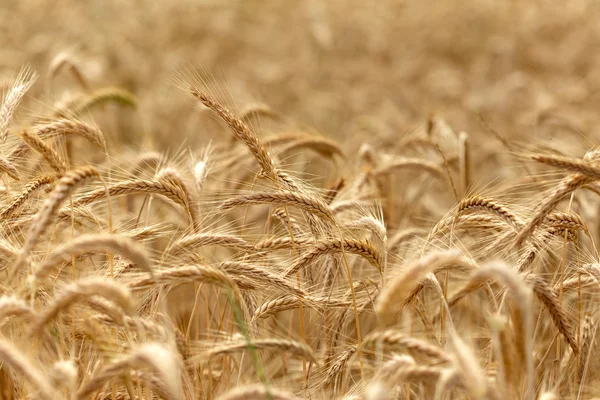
(318, 199)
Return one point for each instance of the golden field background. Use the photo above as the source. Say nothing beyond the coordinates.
(439, 155)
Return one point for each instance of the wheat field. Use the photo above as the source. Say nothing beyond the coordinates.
(268, 199)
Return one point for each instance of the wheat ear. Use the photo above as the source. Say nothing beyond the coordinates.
(154, 355)
(22, 84)
(15, 360)
(47, 152)
(43, 219)
(105, 243)
(256, 392)
(302, 201)
(362, 248)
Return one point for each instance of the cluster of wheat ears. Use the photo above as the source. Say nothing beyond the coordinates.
(231, 277)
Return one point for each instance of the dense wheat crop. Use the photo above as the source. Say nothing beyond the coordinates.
(299, 200)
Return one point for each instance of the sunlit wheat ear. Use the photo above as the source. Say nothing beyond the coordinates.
(586, 173)
(262, 275)
(584, 167)
(588, 339)
(257, 392)
(14, 307)
(283, 243)
(307, 203)
(468, 223)
(362, 248)
(25, 80)
(193, 242)
(64, 374)
(468, 365)
(64, 60)
(489, 205)
(79, 290)
(287, 221)
(43, 219)
(523, 315)
(550, 299)
(17, 362)
(291, 302)
(61, 127)
(240, 131)
(157, 356)
(371, 224)
(47, 152)
(389, 368)
(256, 110)
(6, 167)
(172, 176)
(321, 145)
(86, 244)
(15, 204)
(161, 187)
(400, 163)
(400, 289)
(395, 339)
(193, 273)
(564, 189)
(201, 170)
(280, 345)
(563, 220)
(97, 98)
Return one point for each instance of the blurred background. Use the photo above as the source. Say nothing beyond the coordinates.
(343, 68)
